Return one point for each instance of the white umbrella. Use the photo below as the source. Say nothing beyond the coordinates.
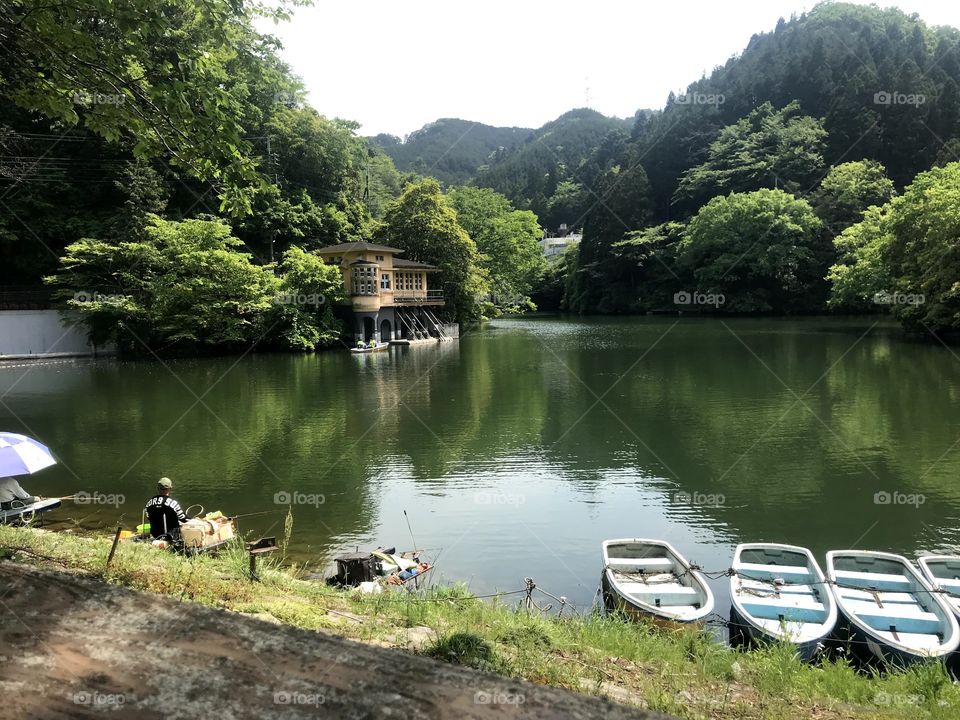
(21, 455)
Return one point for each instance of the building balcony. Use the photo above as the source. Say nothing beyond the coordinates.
(418, 297)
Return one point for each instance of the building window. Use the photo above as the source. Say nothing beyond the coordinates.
(418, 280)
(385, 281)
(380, 257)
(364, 281)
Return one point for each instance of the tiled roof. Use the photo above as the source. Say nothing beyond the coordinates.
(403, 263)
(357, 246)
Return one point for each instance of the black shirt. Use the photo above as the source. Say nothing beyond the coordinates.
(164, 514)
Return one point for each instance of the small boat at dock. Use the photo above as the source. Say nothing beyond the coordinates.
(780, 594)
(650, 579)
(943, 574)
(370, 348)
(888, 611)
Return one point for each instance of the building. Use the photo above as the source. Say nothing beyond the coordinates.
(388, 297)
(553, 246)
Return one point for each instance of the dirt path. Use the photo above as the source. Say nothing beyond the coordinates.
(73, 647)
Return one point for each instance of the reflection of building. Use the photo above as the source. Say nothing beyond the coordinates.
(553, 246)
(387, 295)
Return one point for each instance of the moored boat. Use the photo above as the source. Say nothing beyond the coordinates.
(943, 574)
(780, 594)
(650, 579)
(888, 611)
(370, 348)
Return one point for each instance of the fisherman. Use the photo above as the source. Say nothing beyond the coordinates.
(360, 344)
(373, 343)
(11, 492)
(164, 513)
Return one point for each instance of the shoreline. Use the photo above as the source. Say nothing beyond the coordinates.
(683, 673)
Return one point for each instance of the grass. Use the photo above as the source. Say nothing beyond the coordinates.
(686, 673)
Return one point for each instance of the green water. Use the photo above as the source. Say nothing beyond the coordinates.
(516, 451)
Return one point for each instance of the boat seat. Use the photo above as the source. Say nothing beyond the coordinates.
(949, 584)
(905, 618)
(798, 609)
(887, 598)
(916, 641)
(669, 594)
(783, 589)
(880, 581)
(681, 611)
(790, 573)
(640, 564)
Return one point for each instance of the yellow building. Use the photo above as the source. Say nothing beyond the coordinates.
(388, 297)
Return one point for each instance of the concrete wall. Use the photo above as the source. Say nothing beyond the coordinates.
(41, 333)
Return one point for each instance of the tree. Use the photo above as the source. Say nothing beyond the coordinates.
(165, 75)
(508, 243)
(620, 203)
(924, 252)
(182, 286)
(848, 190)
(309, 289)
(767, 148)
(862, 271)
(760, 250)
(423, 223)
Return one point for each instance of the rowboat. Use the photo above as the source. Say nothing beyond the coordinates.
(887, 609)
(943, 574)
(367, 349)
(26, 513)
(780, 594)
(650, 579)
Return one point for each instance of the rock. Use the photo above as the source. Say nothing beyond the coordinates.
(420, 637)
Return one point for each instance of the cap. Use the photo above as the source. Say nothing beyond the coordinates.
(165, 484)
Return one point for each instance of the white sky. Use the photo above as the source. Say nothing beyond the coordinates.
(395, 66)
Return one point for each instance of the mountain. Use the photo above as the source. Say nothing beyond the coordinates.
(531, 173)
(884, 83)
(449, 149)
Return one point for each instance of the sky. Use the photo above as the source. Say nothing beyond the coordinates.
(396, 66)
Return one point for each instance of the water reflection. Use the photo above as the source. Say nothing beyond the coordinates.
(521, 447)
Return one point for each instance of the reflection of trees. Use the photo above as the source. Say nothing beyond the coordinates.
(699, 402)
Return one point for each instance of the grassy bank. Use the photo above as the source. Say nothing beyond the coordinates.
(685, 673)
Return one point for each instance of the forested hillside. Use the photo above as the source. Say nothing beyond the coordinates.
(785, 181)
(449, 149)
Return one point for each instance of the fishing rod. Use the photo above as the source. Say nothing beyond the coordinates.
(410, 530)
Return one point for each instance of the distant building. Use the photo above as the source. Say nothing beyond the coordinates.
(387, 296)
(553, 246)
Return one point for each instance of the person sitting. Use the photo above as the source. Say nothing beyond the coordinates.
(11, 494)
(164, 513)
(360, 344)
(373, 343)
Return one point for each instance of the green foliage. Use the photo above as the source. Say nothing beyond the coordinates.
(165, 75)
(187, 287)
(507, 241)
(449, 149)
(862, 269)
(424, 224)
(925, 252)
(622, 205)
(308, 290)
(767, 148)
(760, 250)
(848, 190)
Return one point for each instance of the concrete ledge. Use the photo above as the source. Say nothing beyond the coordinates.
(73, 647)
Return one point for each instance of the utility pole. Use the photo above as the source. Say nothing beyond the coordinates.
(275, 182)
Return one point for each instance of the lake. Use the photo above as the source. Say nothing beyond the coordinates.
(520, 448)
